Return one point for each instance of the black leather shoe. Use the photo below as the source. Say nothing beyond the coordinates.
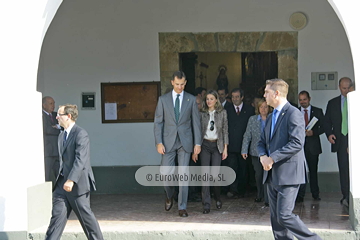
(344, 201)
(206, 211)
(183, 213)
(258, 199)
(169, 203)
(218, 204)
(316, 198)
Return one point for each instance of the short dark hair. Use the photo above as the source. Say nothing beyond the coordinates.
(223, 88)
(199, 90)
(179, 75)
(303, 92)
(238, 90)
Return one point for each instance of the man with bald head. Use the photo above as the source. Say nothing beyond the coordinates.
(51, 130)
(336, 130)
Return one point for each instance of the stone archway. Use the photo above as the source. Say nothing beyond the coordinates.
(284, 43)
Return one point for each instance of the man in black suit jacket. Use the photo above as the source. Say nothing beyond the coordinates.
(282, 157)
(51, 130)
(238, 116)
(312, 146)
(337, 133)
(223, 94)
(75, 179)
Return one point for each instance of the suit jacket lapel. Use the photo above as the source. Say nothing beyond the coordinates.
(69, 138)
(170, 105)
(185, 103)
(280, 117)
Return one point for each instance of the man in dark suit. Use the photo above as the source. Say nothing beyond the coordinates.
(75, 179)
(238, 116)
(51, 130)
(282, 157)
(336, 130)
(223, 94)
(312, 146)
(177, 133)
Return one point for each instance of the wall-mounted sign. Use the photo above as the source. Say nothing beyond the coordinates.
(88, 101)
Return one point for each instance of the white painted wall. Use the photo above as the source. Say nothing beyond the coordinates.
(23, 24)
(348, 15)
(91, 41)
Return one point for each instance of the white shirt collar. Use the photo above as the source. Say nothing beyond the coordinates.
(280, 107)
(69, 128)
(46, 112)
(240, 106)
(174, 94)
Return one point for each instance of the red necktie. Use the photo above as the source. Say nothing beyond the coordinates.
(306, 117)
(237, 110)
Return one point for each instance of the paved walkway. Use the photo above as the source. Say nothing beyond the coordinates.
(143, 217)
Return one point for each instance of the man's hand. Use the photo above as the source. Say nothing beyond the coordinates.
(197, 149)
(68, 185)
(244, 155)
(332, 139)
(160, 148)
(195, 157)
(309, 133)
(266, 162)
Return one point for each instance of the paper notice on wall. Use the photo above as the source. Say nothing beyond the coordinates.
(311, 123)
(110, 111)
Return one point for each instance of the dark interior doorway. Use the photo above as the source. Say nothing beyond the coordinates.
(187, 65)
(257, 67)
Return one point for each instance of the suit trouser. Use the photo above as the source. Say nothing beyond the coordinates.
(210, 156)
(238, 164)
(63, 203)
(52, 165)
(343, 163)
(259, 173)
(312, 162)
(168, 167)
(284, 223)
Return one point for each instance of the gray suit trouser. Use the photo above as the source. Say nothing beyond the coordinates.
(168, 160)
(284, 223)
(63, 204)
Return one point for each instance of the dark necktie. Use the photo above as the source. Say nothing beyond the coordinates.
(306, 117)
(65, 136)
(177, 107)
(237, 110)
(273, 121)
(51, 118)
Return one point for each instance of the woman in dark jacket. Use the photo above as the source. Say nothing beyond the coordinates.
(214, 126)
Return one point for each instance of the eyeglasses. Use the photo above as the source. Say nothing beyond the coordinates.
(61, 114)
(212, 125)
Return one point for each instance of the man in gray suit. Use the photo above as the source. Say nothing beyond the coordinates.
(75, 179)
(51, 130)
(177, 133)
(282, 157)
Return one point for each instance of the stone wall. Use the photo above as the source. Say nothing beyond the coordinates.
(284, 43)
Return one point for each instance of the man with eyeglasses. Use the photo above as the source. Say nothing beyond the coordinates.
(51, 130)
(238, 116)
(75, 179)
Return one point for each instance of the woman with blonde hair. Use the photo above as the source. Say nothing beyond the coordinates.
(255, 126)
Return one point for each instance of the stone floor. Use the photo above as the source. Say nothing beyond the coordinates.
(143, 217)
